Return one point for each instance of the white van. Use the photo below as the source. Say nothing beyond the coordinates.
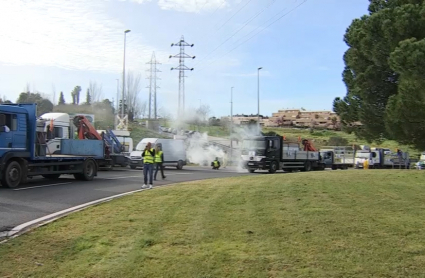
(174, 152)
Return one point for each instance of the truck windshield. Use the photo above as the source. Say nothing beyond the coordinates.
(362, 155)
(254, 144)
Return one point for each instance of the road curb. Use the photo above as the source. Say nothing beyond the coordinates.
(30, 225)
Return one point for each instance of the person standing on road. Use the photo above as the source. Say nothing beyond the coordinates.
(148, 161)
(159, 160)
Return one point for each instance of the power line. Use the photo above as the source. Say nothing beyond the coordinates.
(213, 32)
(234, 14)
(240, 29)
(285, 14)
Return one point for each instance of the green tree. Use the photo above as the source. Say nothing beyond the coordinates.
(61, 99)
(88, 97)
(374, 82)
(405, 112)
(76, 95)
(43, 105)
(4, 100)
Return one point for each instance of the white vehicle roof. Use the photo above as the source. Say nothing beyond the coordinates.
(58, 118)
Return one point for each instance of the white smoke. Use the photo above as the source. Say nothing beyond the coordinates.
(240, 133)
(202, 150)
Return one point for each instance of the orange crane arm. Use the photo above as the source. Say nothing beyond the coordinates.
(85, 129)
(308, 146)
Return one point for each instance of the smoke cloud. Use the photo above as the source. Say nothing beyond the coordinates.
(203, 149)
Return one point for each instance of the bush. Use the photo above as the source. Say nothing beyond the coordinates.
(270, 133)
(337, 141)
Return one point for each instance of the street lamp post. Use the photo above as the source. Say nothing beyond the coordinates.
(123, 75)
(118, 96)
(258, 98)
(200, 106)
(231, 122)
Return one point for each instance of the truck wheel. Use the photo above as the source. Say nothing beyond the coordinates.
(273, 167)
(89, 171)
(307, 167)
(179, 165)
(251, 170)
(51, 176)
(12, 175)
(133, 167)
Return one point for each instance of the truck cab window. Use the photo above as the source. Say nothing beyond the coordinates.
(11, 121)
(58, 132)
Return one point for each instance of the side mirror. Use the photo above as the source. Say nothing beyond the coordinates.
(2, 119)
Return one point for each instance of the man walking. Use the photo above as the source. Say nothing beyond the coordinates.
(148, 161)
(159, 160)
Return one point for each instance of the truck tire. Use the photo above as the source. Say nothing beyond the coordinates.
(251, 170)
(133, 167)
(89, 171)
(273, 167)
(179, 165)
(12, 175)
(51, 176)
(307, 166)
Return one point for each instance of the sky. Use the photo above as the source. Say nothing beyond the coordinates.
(55, 45)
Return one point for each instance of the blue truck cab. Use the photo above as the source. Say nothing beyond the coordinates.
(23, 149)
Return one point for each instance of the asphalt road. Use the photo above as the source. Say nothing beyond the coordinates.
(41, 197)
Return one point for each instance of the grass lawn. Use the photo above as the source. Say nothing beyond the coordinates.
(139, 132)
(318, 224)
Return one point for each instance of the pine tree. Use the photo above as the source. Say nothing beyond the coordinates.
(88, 97)
(61, 99)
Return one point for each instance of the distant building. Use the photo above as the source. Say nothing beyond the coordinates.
(245, 119)
(293, 118)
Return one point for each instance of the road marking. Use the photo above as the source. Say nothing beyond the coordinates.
(39, 186)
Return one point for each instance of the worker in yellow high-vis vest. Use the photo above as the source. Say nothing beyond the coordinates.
(148, 161)
(159, 160)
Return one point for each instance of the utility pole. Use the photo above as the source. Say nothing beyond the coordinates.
(231, 122)
(258, 100)
(152, 86)
(123, 76)
(182, 68)
(118, 96)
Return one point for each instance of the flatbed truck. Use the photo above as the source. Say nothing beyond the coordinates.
(23, 149)
(66, 127)
(272, 153)
(338, 157)
(379, 158)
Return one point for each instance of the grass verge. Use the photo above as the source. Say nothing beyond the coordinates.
(317, 224)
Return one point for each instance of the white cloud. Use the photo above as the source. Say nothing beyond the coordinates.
(136, 1)
(74, 34)
(192, 6)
